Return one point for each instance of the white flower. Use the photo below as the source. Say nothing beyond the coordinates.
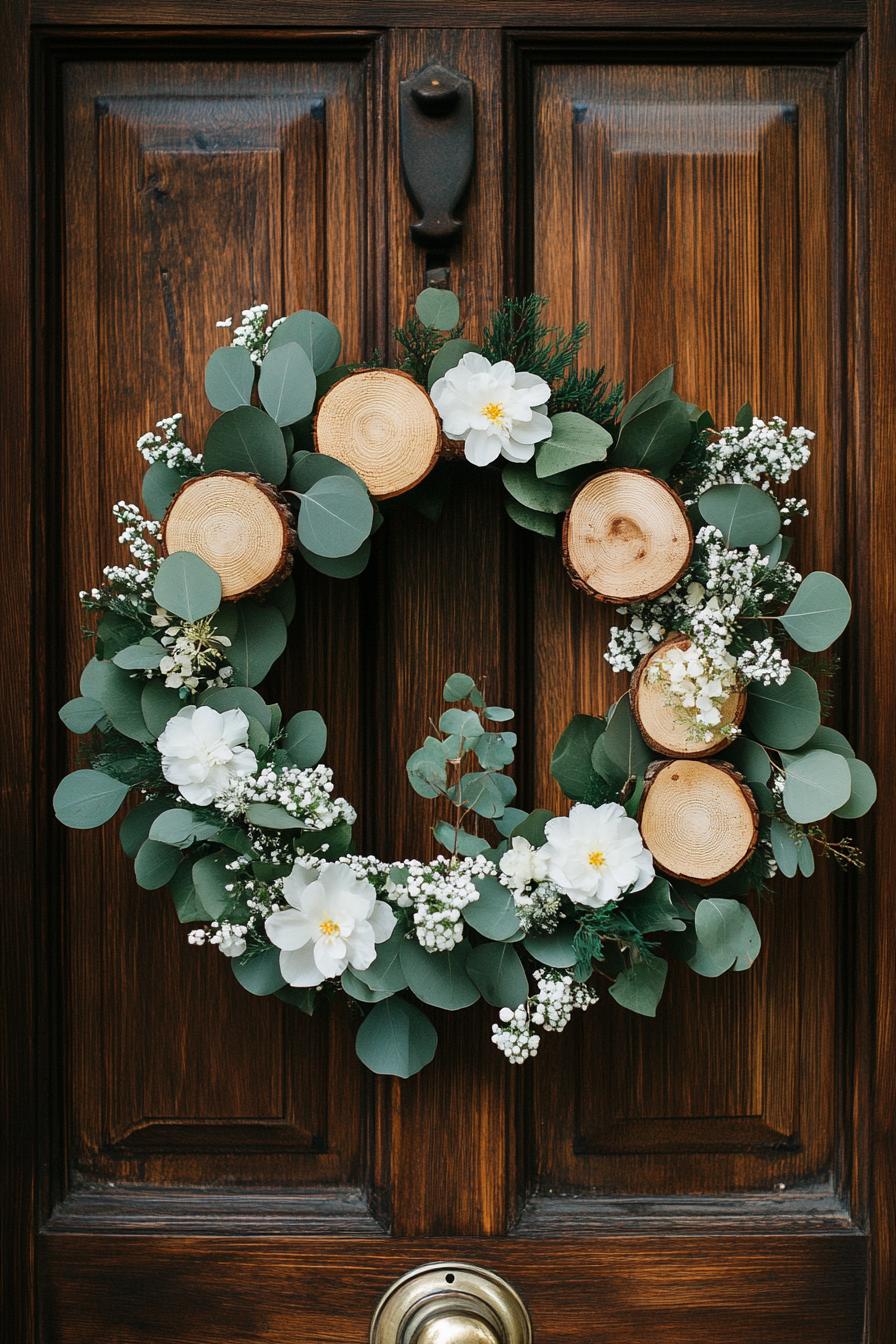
(596, 853)
(335, 921)
(522, 863)
(203, 750)
(496, 411)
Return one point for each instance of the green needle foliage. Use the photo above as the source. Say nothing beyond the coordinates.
(420, 344)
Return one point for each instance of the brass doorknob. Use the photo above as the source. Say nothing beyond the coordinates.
(450, 1304)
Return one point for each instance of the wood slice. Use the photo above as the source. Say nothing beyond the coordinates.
(626, 536)
(698, 819)
(238, 525)
(665, 728)
(382, 424)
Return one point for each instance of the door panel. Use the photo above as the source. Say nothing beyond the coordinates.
(685, 211)
(222, 1168)
(190, 191)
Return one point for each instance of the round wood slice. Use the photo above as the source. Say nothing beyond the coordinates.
(626, 536)
(665, 728)
(382, 424)
(698, 819)
(238, 525)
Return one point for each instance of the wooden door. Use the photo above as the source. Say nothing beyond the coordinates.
(709, 183)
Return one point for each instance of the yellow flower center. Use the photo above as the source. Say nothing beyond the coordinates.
(596, 858)
(493, 411)
(329, 927)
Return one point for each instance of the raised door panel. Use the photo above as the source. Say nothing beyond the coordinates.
(691, 213)
(191, 190)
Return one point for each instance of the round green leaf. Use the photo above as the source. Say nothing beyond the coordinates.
(533, 493)
(88, 798)
(622, 741)
(81, 714)
(863, 792)
(497, 972)
(816, 783)
(119, 694)
(137, 824)
(784, 716)
(309, 468)
(750, 759)
(187, 586)
(386, 972)
(211, 879)
(828, 739)
(158, 704)
(553, 949)
(744, 514)
(246, 439)
(141, 657)
(250, 702)
(306, 738)
(316, 334)
(335, 516)
(438, 308)
(448, 356)
(356, 989)
(640, 987)
(155, 864)
(339, 566)
(395, 1038)
(819, 612)
(257, 634)
(571, 763)
(531, 519)
(727, 933)
(260, 972)
(438, 978)
(229, 377)
(287, 386)
(494, 913)
(160, 485)
(575, 441)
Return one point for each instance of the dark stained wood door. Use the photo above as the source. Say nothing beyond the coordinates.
(708, 183)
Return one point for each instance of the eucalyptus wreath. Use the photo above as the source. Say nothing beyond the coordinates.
(710, 773)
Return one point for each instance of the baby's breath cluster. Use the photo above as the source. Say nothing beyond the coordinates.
(128, 587)
(556, 998)
(437, 893)
(305, 794)
(253, 332)
(762, 453)
(168, 447)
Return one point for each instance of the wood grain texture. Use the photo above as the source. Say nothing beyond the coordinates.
(685, 211)
(266, 1291)
(21, 1086)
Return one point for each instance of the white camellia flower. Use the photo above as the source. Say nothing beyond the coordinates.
(202, 751)
(335, 921)
(596, 853)
(522, 863)
(496, 411)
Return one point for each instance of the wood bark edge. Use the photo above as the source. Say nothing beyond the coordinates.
(428, 458)
(284, 544)
(581, 583)
(699, 752)
(733, 780)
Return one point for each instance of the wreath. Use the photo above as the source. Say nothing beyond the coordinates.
(709, 774)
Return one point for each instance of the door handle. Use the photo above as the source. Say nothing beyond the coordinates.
(437, 145)
(451, 1304)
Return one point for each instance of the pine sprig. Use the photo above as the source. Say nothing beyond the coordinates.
(518, 332)
(420, 345)
(589, 392)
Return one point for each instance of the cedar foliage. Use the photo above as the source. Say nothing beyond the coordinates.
(420, 345)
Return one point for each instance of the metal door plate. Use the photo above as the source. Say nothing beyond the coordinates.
(452, 1287)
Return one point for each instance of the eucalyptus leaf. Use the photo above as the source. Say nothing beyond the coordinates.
(229, 377)
(494, 913)
(88, 798)
(81, 714)
(186, 586)
(751, 759)
(250, 702)
(158, 704)
(386, 972)
(438, 308)
(653, 910)
(339, 566)
(287, 387)
(211, 878)
(160, 485)
(494, 751)
(257, 634)
(356, 989)
(246, 439)
(532, 827)
(497, 972)
(297, 996)
(458, 687)
(426, 770)
(259, 972)
(828, 739)
(396, 1039)
(863, 791)
(438, 978)
(135, 827)
(457, 839)
(273, 817)
(145, 656)
(555, 949)
(727, 932)
(575, 441)
(543, 524)
(335, 516)
(622, 740)
(785, 716)
(465, 723)
(155, 864)
(744, 514)
(183, 894)
(306, 738)
(448, 356)
(542, 496)
(119, 694)
(819, 612)
(309, 468)
(316, 334)
(785, 847)
(816, 783)
(571, 762)
(640, 987)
